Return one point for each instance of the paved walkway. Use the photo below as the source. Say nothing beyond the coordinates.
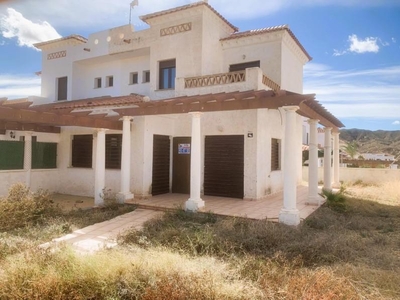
(103, 235)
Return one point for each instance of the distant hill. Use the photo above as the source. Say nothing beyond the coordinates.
(379, 141)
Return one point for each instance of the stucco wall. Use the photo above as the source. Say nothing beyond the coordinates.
(367, 175)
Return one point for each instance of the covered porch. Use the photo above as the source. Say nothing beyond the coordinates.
(268, 208)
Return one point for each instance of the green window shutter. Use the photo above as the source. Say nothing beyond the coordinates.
(44, 155)
(11, 155)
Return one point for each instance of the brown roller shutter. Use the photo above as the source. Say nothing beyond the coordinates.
(161, 164)
(224, 166)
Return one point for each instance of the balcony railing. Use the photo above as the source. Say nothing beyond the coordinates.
(271, 84)
(216, 79)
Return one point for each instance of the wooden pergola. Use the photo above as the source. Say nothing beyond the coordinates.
(23, 115)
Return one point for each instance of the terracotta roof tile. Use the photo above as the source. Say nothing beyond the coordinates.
(184, 7)
(253, 32)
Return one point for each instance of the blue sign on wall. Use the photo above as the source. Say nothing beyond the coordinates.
(183, 148)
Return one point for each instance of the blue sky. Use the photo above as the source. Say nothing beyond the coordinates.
(355, 45)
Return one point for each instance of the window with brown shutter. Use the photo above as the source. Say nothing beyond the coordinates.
(275, 154)
(82, 150)
(244, 66)
(113, 151)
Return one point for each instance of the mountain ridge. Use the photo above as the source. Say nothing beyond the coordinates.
(368, 141)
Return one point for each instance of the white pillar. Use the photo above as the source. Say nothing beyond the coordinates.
(125, 193)
(194, 203)
(336, 182)
(289, 213)
(313, 197)
(100, 168)
(328, 159)
(28, 158)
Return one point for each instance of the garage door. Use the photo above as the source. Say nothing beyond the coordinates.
(161, 164)
(224, 166)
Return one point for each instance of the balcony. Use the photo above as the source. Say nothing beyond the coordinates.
(249, 79)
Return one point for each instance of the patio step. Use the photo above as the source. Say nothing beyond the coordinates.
(156, 208)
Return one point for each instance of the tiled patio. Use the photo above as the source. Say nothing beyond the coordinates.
(267, 208)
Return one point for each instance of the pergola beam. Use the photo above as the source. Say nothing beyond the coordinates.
(24, 116)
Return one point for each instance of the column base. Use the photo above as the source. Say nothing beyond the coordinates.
(289, 217)
(336, 185)
(99, 200)
(122, 197)
(314, 200)
(194, 204)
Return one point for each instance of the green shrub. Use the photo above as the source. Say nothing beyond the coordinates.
(335, 200)
(21, 207)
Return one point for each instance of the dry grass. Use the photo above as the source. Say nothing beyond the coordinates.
(123, 274)
(333, 255)
(385, 193)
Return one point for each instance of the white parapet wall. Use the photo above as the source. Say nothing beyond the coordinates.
(367, 175)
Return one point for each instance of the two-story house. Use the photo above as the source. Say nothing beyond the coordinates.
(188, 105)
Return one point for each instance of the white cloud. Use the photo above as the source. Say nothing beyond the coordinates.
(369, 93)
(396, 123)
(393, 40)
(111, 13)
(18, 86)
(357, 45)
(14, 25)
(339, 53)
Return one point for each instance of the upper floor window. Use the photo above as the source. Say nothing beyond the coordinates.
(133, 78)
(244, 66)
(109, 81)
(167, 74)
(62, 88)
(97, 83)
(146, 76)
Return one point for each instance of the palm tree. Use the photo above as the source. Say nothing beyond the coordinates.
(351, 149)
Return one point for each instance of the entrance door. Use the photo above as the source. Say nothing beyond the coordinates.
(224, 166)
(161, 164)
(181, 165)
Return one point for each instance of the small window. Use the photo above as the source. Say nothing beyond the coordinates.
(133, 78)
(167, 74)
(97, 83)
(62, 87)
(82, 151)
(113, 151)
(146, 76)
(109, 81)
(275, 154)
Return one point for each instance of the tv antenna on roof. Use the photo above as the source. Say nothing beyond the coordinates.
(132, 5)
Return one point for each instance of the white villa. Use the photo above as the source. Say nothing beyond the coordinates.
(189, 105)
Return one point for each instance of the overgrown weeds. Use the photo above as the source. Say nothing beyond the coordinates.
(28, 219)
(21, 208)
(123, 274)
(365, 236)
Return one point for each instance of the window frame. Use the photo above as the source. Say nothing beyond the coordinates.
(78, 144)
(243, 66)
(98, 83)
(276, 163)
(131, 77)
(62, 94)
(113, 151)
(109, 81)
(167, 74)
(146, 76)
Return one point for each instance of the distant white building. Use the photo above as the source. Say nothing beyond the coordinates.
(378, 156)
